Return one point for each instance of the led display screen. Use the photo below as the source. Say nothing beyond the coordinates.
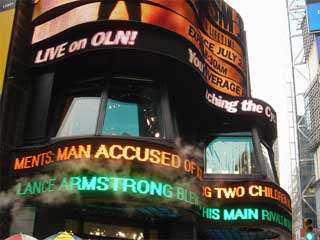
(253, 214)
(214, 46)
(219, 40)
(246, 202)
(313, 15)
(141, 191)
(214, 33)
(147, 189)
(242, 106)
(154, 157)
(148, 38)
(152, 190)
(151, 14)
(223, 15)
(159, 193)
(181, 7)
(207, 36)
(143, 173)
(246, 192)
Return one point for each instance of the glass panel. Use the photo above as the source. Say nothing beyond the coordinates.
(81, 117)
(230, 155)
(267, 160)
(106, 230)
(121, 118)
(133, 110)
(72, 226)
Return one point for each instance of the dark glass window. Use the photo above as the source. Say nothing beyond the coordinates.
(98, 231)
(133, 110)
(127, 108)
(230, 155)
(95, 230)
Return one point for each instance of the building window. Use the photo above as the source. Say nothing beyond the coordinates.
(230, 155)
(121, 118)
(96, 230)
(80, 116)
(123, 108)
(267, 160)
(133, 110)
(99, 231)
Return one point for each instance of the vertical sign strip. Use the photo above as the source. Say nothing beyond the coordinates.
(313, 15)
(7, 11)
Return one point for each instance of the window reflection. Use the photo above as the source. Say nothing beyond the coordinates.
(266, 157)
(121, 118)
(230, 155)
(81, 116)
(133, 110)
(97, 231)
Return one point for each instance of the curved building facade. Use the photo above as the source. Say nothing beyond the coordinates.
(134, 119)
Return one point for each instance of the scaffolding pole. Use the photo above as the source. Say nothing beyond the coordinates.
(296, 14)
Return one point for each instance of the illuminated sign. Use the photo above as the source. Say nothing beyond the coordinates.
(256, 214)
(313, 16)
(224, 56)
(228, 79)
(145, 174)
(224, 16)
(121, 185)
(230, 214)
(7, 11)
(246, 191)
(148, 190)
(7, 5)
(150, 14)
(108, 38)
(108, 151)
(220, 66)
(215, 34)
(181, 7)
(221, 51)
(244, 106)
(223, 84)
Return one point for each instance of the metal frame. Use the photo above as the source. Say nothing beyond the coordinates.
(300, 44)
(296, 14)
